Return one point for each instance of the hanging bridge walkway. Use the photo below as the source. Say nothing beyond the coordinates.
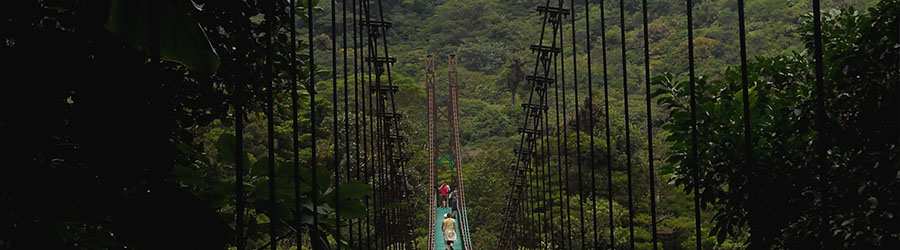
(369, 141)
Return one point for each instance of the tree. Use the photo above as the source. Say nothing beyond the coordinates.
(854, 195)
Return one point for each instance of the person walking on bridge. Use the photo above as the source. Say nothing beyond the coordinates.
(444, 190)
(448, 227)
(454, 202)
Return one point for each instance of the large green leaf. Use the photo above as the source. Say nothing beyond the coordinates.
(181, 38)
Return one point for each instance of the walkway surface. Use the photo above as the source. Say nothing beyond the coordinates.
(439, 235)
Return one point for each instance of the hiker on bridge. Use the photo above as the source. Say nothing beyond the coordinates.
(444, 191)
(448, 227)
(454, 202)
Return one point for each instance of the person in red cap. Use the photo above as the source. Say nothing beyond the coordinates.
(444, 191)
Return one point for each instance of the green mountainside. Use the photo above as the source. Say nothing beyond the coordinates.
(490, 36)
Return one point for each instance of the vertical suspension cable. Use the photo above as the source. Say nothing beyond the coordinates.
(648, 104)
(369, 139)
(295, 122)
(238, 102)
(609, 149)
(756, 239)
(627, 125)
(529, 202)
(311, 88)
(818, 52)
(347, 144)
(376, 139)
(590, 83)
(563, 208)
(565, 125)
(360, 80)
(578, 163)
(270, 120)
(379, 126)
(386, 137)
(335, 160)
(548, 176)
(547, 173)
(358, 139)
(694, 155)
(373, 161)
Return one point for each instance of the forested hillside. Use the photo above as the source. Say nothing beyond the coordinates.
(490, 37)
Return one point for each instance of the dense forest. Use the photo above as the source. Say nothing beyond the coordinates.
(489, 43)
(150, 146)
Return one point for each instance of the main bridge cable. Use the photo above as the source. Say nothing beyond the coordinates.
(532, 113)
(694, 155)
(429, 86)
(457, 150)
(648, 103)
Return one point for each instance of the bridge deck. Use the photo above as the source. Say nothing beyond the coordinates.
(439, 235)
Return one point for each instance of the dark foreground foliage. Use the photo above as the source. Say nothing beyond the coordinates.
(849, 201)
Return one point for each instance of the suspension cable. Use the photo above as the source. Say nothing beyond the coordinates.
(311, 88)
(609, 170)
(578, 161)
(432, 198)
(590, 83)
(565, 126)
(757, 241)
(373, 162)
(563, 194)
(362, 83)
(820, 116)
(348, 167)
(335, 160)
(240, 199)
(356, 116)
(648, 104)
(529, 132)
(270, 120)
(546, 172)
(627, 125)
(694, 160)
(295, 121)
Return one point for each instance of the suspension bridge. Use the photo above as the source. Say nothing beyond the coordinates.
(539, 212)
(546, 206)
